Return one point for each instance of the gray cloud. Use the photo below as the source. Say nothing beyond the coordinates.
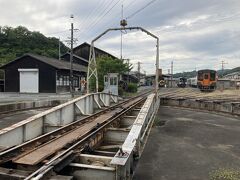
(196, 34)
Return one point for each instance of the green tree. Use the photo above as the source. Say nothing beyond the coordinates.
(15, 42)
(105, 65)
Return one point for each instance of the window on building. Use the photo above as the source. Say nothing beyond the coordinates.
(113, 81)
(105, 79)
(62, 80)
(75, 81)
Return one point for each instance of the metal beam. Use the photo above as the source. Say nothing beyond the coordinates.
(90, 159)
(127, 121)
(92, 67)
(53, 118)
(116, 135)
(13, 173)
(133, 145)
(104, 153)
(87, 172)
(107, 147)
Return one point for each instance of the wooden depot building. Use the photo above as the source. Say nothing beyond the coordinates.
(32, 73)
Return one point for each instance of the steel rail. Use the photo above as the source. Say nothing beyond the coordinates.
(177, 94)
(8, 154)
(57, 159)
(192, 97)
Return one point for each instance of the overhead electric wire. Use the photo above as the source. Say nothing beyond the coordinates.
(103, 15)
(142, 8)
(100, 15)
(96, 22)
(89, 17)
(56, 32)
(93, 19)
(110, 23)
(130, 4)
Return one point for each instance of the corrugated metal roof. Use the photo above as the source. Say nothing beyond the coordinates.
(96, 49)
(58, 64)
(76, 56)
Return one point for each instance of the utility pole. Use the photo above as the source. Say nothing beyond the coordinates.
(222, 62)
(128, 70)
(139, 67)
(59, 49)
(169, 77)
(122, 36)
(71, 61)
(171, 74)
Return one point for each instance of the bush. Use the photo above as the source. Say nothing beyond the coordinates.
(120, 91)
(132, 88)
(225, 174)
(100, 88)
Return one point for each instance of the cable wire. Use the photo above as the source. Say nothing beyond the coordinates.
(56, 32)
(106, 13)
(110, 23)
(141, 9)
(97, 17)
(90, 15)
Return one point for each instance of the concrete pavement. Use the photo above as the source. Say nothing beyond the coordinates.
(6, 98)
(15, 117)
(189, 146)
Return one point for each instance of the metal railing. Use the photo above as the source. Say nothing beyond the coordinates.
(136, 139)
(54, 118)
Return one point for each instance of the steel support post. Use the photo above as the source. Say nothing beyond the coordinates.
(92, 68)
(157, 69)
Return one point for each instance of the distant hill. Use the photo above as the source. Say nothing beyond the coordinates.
(194, 73)
(237, 69)
(185, 74)
(15, 42)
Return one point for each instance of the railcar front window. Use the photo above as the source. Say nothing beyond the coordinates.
(212, 76)
(200, 76)
(206, 76)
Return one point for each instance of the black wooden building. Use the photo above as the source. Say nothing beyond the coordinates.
(81, 53)
(76, 59)
(32, 73)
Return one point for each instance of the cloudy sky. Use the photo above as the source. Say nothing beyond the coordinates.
(195, 34)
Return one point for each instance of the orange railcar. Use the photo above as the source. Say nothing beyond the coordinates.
(207, 80)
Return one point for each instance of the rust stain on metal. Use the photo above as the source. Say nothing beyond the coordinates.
(47, 150)
(51, 148)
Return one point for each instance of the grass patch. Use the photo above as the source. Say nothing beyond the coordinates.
(225, 174)
(129, 94)
(158, 121)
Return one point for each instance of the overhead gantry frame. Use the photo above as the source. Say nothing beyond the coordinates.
(92, 66)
